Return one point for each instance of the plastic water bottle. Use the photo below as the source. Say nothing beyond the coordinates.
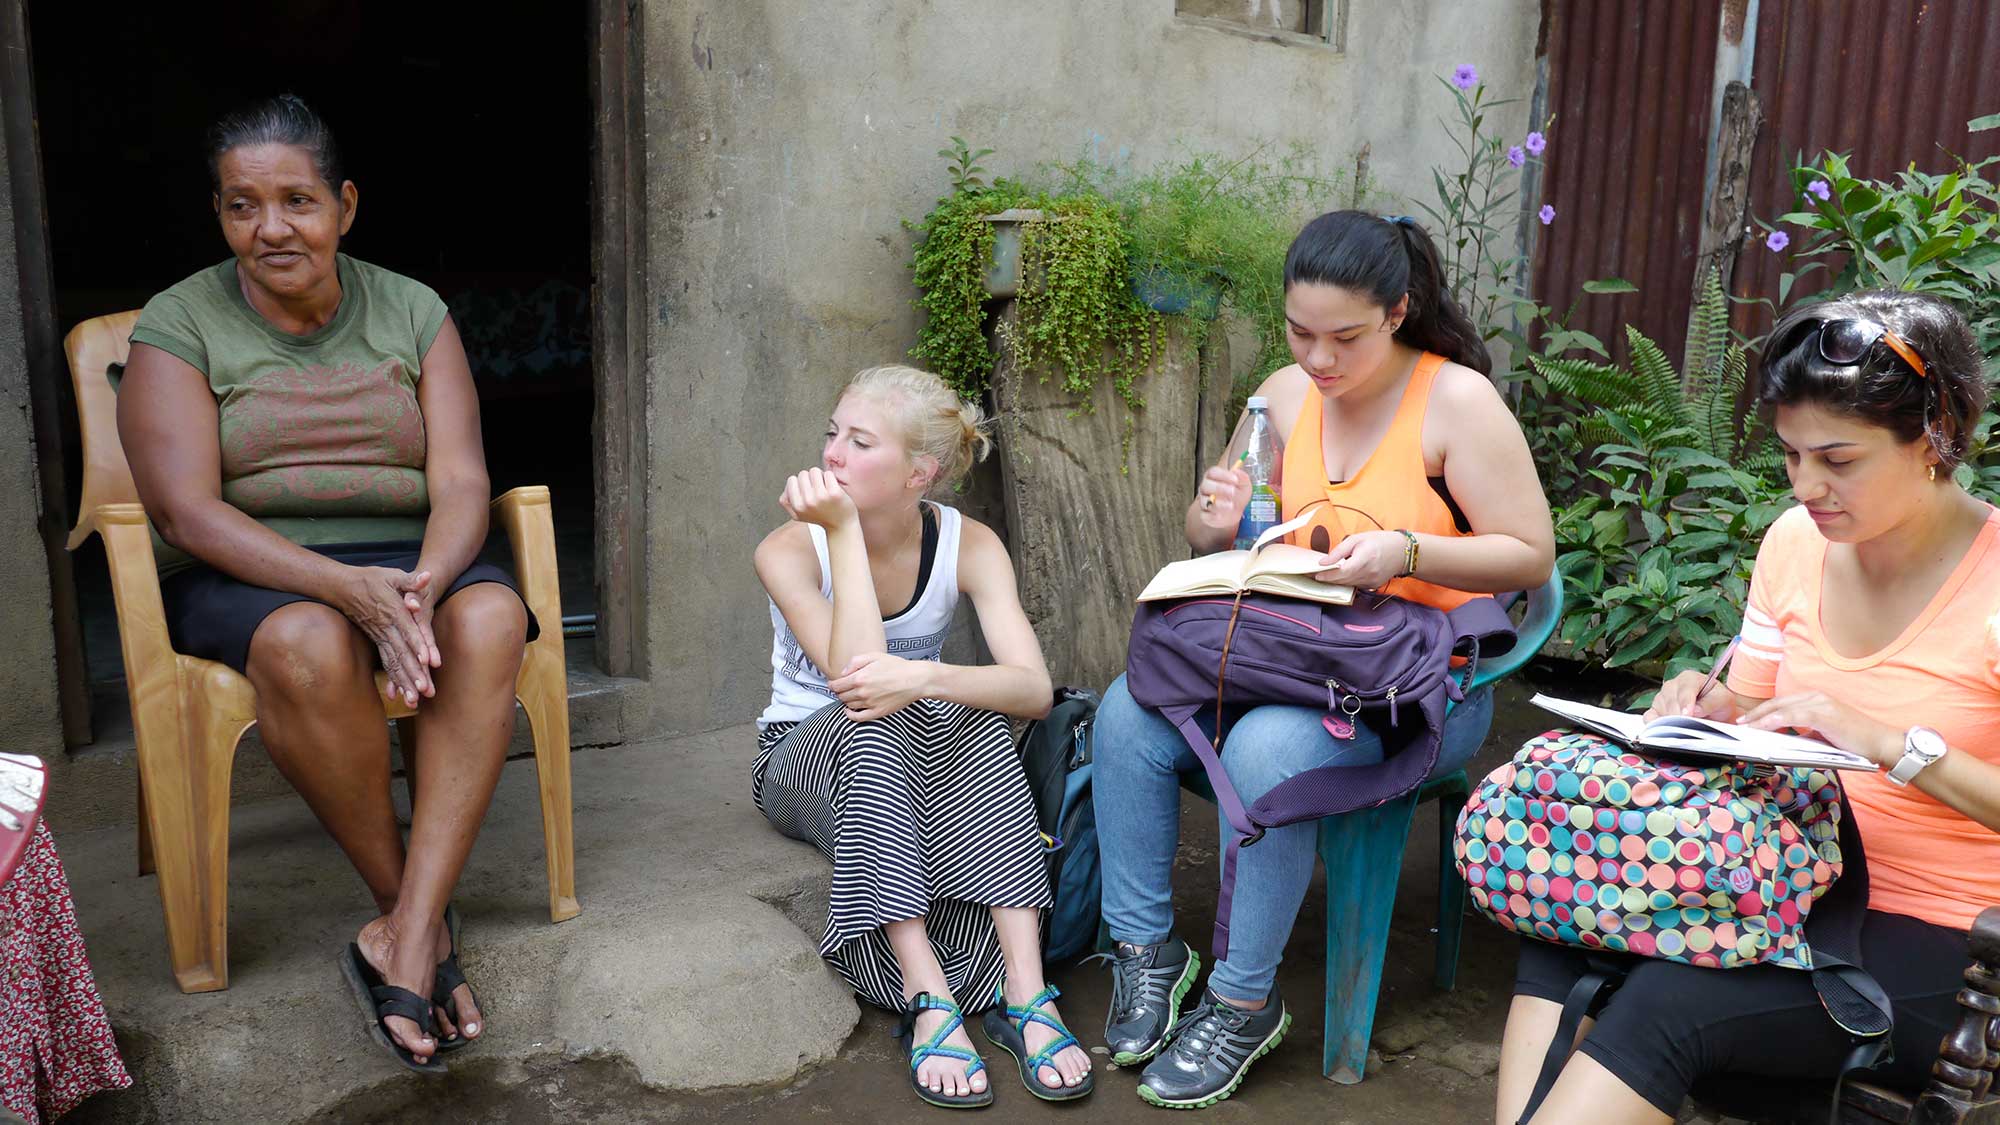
(1260, 460)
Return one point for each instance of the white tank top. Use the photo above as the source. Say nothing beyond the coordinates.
(798, 688)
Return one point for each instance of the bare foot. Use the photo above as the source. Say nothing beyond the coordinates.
(404, 963)
(468, 1008)
(1071, 1063)
(939, 1074)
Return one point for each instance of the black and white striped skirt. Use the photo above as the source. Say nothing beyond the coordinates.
(925, 813)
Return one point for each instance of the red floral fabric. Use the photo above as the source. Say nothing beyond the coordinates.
(56, 1047)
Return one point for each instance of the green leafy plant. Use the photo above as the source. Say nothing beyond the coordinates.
(1211, 232)
(949, 262)
(1079, 320)
(1477, 208)
(1921, 232)
(962, 162)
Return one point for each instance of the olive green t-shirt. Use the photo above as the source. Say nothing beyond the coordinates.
(321, 437)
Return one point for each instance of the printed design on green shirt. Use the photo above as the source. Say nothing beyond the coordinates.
(324, 440)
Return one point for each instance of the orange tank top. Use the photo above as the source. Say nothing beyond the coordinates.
(1391, 491)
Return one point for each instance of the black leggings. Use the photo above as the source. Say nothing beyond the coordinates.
(1670, 1024)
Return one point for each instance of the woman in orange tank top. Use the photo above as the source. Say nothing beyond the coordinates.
(1420, 485)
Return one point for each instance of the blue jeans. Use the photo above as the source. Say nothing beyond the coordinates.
(1136, 791)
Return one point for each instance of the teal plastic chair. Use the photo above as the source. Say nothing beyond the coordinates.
(1363, 855)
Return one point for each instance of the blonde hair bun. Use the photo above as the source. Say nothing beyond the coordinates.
(935, 422)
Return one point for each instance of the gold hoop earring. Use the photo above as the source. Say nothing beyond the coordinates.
(1934, 471)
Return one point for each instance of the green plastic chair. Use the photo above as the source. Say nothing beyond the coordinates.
(1362, 852)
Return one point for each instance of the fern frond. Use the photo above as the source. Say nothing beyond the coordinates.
(1708, 331)
(1657, 383)
(1589, 383)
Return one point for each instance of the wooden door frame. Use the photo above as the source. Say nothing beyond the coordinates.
(47, 373)
(619, 380)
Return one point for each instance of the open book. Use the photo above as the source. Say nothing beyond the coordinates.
(1269, 567)
(1705, 738)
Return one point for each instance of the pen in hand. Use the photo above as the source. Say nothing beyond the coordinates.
(1721, 662)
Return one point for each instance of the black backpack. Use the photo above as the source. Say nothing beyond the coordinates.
(1055, 754)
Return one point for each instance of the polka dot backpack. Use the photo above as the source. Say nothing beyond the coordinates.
(1581, 842)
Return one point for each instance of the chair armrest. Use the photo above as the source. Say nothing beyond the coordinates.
(1961, 1087)
(151, 671)
(529, 520)
(1545, 603)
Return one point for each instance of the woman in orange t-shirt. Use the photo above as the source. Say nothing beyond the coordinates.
(1874, 622)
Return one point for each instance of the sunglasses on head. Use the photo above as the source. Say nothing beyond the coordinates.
(1845, 342)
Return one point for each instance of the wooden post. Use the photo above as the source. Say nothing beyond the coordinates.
(1727, 208)
(1086, 532)
(1961, 1084)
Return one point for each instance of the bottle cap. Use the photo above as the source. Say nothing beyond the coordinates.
(1257, 402)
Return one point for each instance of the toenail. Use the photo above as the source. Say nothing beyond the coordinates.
(472, 1029)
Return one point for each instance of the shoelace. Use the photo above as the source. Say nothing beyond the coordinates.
(1126, 975)
(1195, 1034)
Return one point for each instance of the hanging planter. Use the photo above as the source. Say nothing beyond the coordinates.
(1003, 269)
(1174, 293)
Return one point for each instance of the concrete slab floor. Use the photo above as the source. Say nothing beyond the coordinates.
(675, 865)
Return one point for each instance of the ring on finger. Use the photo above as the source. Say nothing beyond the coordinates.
(1207, 501)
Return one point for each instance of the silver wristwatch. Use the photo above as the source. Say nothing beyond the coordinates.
(1921, 747)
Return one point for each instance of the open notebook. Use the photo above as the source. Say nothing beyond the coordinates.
(1705, 738)
(1268, 567)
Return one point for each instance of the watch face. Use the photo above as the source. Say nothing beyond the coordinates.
(1926, 743)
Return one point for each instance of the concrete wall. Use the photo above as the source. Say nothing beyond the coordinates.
(787, 142)
(28, 708)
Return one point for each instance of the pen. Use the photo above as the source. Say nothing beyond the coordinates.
(1721, 663)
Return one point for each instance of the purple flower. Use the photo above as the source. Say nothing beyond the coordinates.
(1778, 241)
(1465, 77)
(1820, 188)
(1535, 144)
(1547, 214)
(1516, 157)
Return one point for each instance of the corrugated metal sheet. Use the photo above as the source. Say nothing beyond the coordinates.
(1629, 85)
(1888, 82)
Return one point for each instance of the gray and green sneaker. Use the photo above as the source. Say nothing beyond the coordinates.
(1148, 983)
(1212, 1049)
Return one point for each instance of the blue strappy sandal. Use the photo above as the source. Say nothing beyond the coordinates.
(1005, 1025)
(906, 1030)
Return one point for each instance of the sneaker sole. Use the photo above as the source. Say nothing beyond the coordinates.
(1189, 974)
(1270, 1043)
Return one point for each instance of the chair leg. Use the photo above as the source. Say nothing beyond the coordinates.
(185, 776)
(546, 700)
(145, 836)
(1363, 854)
(1452, 796)
(406, 745)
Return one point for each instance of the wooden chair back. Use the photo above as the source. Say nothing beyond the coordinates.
(93, 347)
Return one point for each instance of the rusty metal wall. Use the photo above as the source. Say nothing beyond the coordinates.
(1629, 85)
(1888, 82)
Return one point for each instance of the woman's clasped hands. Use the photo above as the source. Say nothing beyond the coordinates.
(393, 607)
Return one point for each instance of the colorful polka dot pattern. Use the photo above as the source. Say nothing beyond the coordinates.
(1581, 842)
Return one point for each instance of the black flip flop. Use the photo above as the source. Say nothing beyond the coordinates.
(449, 977)
(380, 1000)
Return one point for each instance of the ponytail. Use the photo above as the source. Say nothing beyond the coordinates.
(1389, 259)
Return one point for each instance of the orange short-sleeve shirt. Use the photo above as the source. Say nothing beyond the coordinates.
(1925, 859)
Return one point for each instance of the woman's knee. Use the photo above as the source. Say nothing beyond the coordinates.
(1268, 745)
(305, 651)
(482, 622)
(1125, 734)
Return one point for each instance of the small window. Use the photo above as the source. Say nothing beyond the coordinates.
(1322, 22)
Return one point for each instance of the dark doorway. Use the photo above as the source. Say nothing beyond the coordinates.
(467, 129)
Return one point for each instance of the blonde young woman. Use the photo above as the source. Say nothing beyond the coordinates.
(899, 767)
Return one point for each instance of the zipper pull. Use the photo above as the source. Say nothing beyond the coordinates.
(1332, 696)
(1392, 708)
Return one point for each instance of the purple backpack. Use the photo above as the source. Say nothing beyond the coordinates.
(1382, 659)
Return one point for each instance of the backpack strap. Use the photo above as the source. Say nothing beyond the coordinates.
(1852, 998)
(1585, 996)
(1245, 832)
(1481, 628)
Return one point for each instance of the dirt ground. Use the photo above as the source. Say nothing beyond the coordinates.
(1434, 1059)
